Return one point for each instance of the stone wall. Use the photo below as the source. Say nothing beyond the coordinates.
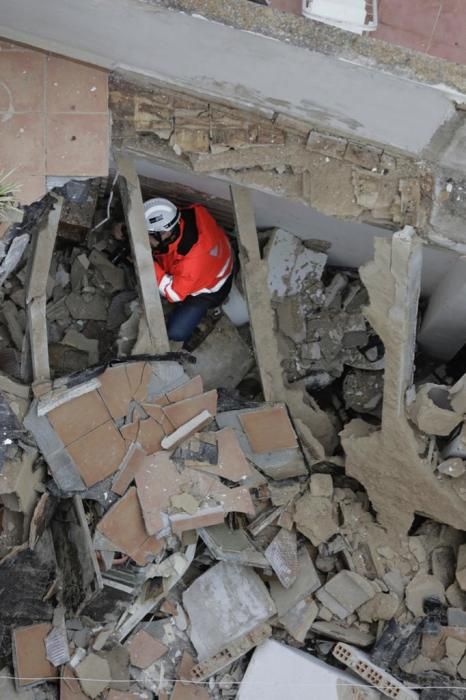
(336, 176)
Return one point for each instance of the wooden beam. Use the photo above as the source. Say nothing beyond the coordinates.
(36, 297)
(157, 338)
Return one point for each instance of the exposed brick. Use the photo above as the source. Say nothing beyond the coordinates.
(365, 156)
(332, 146)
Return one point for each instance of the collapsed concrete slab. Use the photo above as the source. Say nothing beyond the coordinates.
(223, 604)
(399, 480)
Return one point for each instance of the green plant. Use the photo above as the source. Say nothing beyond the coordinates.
(8, 196)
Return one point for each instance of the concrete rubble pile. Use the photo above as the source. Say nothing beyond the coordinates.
(165, 538)
(92, 307)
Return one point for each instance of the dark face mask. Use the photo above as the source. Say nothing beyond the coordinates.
(163, 245)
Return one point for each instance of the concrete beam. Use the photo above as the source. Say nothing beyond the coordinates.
(36, 298)
(157, 338)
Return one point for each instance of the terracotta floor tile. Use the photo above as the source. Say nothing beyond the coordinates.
(232, 464)
(77, 144)
(31, 661)
(196, 521)
(75, 87)
(150, 435)
(98, 454)
(22, 145)
(192, 388)
(78, 417)
(182, 411)
(130, 431)
(145, 649)
(156, 482)
(124, 526)
(295, 7)
(186, 691)
(134, 371)
(418, 16)
(127, 474)
(268, 429)
(33, 187)
(237, 500)
(155, 412)
(115, 390)
(141, 393)
(454, 54)
(400, 37)
(22, 86)
(70, 687)
(450, 29)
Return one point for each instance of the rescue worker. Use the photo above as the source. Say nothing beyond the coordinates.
(193, 262)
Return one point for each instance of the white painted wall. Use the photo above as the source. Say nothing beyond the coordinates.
(229, 64)
(352, 243)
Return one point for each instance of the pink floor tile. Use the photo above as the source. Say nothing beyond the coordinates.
(409, 40)
(451, 25)
(33, 187)
(75, 87)
(417, 16)
(8, 46)
(22, 81)
(454, 54)
(22, 145)
(295, 7)
(77, 144)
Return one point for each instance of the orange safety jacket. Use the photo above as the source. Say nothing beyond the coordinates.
(200, 260)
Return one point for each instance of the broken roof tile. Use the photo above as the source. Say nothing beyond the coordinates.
(98, 454)
(31, 664)
(182, 411)
(269, 429)
(134, 461)
(115, 390)
(145, 649)
(78, 417)
(124, 526)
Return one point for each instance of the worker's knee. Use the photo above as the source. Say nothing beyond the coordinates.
(179, 333)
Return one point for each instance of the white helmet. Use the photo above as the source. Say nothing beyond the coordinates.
(160, 214)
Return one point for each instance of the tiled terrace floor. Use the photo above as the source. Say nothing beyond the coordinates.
(53, 118)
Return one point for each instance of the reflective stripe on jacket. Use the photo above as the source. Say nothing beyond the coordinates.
(200, 268)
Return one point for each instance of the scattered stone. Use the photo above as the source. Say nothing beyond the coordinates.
(345, 593)
(419, 589)
(453, 467)
(461, 567)
(315, 517)
(94, 675)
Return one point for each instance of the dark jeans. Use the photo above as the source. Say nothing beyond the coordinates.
(187, 314)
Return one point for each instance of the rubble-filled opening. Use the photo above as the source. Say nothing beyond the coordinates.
(163, 520)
